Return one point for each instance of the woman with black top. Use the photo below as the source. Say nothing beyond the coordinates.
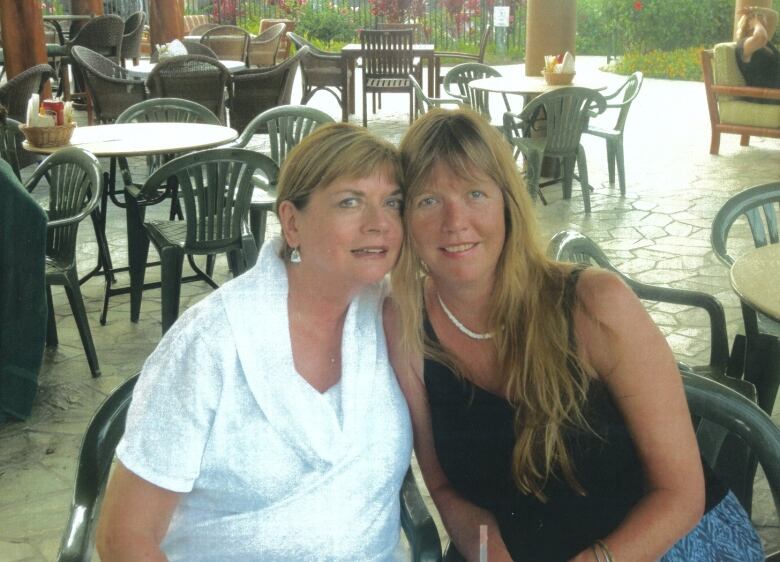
(548, 407)
(757, 58)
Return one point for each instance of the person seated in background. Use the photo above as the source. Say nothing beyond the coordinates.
(546, 404)
(268, 423)
(757, 58)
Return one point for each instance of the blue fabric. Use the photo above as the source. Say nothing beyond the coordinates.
(724, 534)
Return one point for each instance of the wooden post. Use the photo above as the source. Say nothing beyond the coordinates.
(23, 43)
(166, 21)
(745, 4)
(551, 26)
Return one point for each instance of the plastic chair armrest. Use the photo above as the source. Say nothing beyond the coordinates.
(417, 523)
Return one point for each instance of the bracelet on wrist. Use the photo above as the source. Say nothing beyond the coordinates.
(601, 545)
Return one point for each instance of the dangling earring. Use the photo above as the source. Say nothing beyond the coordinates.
(295, 256)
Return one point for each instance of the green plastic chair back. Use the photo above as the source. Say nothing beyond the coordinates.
(423, 104)
(285, 125)
(456, 84)
(760, 206)
(215, 186)
(103, 434)
(74, 177)
(573, 246)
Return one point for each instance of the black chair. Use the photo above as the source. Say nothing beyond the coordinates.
(111, 88)
(197, 78)
(255, 90)
(101, 438)
(322, 71)
(75, 183)
(131, 40)
(15, 93)
(11, 139)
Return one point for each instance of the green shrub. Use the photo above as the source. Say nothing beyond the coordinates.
(678, 64)
(327, 24)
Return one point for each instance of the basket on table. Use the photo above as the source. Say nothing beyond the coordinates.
(44, 137)
(558, 78)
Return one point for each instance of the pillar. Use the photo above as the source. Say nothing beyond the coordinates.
(551, 26)
(166, 22)
(23, 42)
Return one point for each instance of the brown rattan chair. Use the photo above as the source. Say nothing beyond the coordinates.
(111, 88)
(202, 28)
(15, 93)
(284, 43)
(11, 139)
(322, 71)
(258, 89)
(191, 77)
(229, 42)
(388, 60)
(460, 58)
(131, 40)
(264, 48)
(102, 34)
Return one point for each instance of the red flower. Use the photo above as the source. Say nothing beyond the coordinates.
(638, 5)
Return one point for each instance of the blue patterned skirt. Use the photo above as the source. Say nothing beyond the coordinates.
(724, 534)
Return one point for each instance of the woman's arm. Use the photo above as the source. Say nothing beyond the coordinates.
(461, 517)
(756, 41)
(134, 518)
(630, 355)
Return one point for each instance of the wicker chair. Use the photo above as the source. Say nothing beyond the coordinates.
(264, 48)
(103, 35)
(191, 77)
(131, 40)
(322, 71)
(202, 28)
(11, 139)
(15, 93)
(227, 41)
(258, 89)
(388, 60)
(111, 88)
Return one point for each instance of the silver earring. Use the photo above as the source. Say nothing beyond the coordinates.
(295, 256)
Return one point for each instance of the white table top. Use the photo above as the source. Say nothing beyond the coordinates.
(522, 85)
(140, 139)
(146, 66)
(755, 277)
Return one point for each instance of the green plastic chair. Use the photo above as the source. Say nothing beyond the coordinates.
(216, 189)
(423, 104)
(285, 126)
(573, 246)
(456, 84)
(565, 113)
(626, 93)
(103, 434)
(474, 57)
(75, 183)
(760, 205)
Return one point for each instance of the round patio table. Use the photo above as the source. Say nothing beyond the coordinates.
(521, 85)
(755, 277)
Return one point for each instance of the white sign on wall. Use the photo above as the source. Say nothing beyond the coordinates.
(501, 16)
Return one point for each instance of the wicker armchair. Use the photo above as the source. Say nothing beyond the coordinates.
(111, 88)
(322, 71)
(258, 89)
(15, 93)
(131, 40)
(264, 48)
(227, 41)
(11, 139)
(191, 77)
(201, 28)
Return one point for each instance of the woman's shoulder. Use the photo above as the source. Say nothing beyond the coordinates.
(604, 296)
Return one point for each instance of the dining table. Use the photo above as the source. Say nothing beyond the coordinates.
(145, 66)
(526, 86)
(353, 51)
(127, 140)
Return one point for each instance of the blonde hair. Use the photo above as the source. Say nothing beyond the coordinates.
(332, 152)
(527, 311)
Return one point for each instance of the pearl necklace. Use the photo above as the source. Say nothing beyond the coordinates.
(459, 325)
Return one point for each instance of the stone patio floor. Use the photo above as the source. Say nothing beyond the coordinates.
(659, 233)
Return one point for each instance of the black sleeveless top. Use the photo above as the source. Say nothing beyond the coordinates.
(473, 432)
(763, 70)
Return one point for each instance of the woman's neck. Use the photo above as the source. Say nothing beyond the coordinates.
(309, 299)
(470, 304)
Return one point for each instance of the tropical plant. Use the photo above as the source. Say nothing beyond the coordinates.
(327, 23)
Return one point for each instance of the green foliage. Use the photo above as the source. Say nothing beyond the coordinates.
(677, 64)
(327, 24)
(617, 26)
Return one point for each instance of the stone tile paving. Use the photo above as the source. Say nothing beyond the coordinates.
(658, 233)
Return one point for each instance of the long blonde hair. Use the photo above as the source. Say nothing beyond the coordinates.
(527, 312)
